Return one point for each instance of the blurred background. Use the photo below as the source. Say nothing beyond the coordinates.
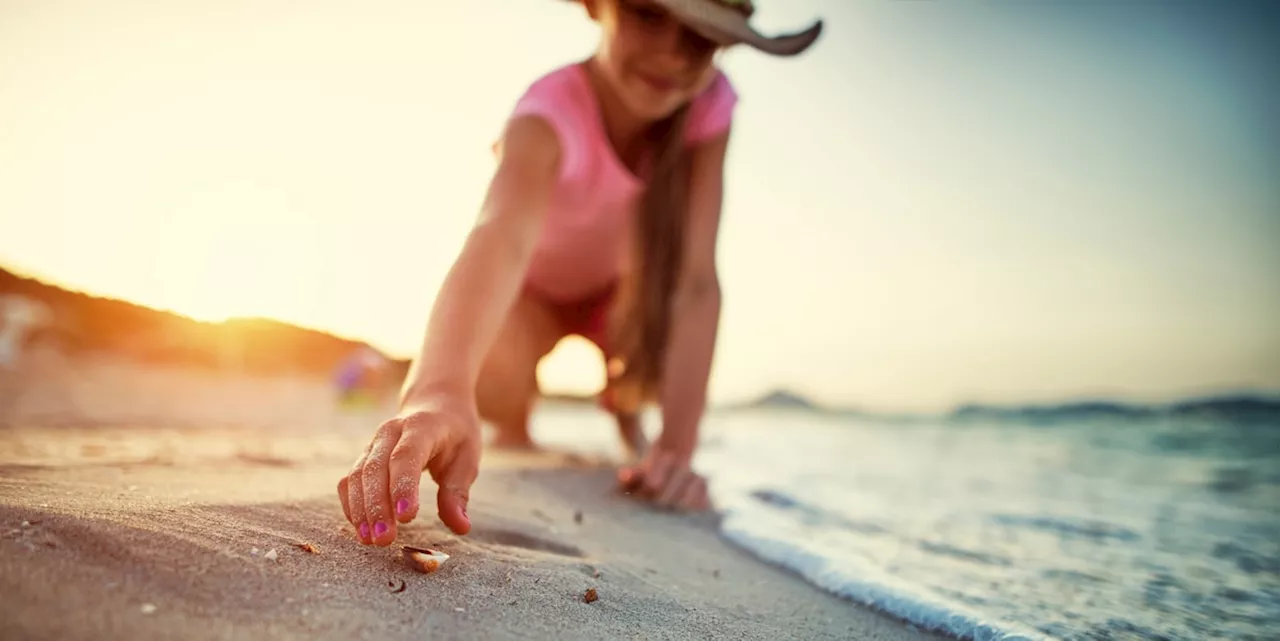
(1027, 254)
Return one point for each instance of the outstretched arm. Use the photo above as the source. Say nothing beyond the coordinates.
(437, 428)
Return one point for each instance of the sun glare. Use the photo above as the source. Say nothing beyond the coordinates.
(218, 260)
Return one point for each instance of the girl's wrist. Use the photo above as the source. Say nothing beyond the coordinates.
(428, 392)
(679, 441)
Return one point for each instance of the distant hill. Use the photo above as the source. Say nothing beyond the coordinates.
(1089, 409)
(1232, 407)
(780, 399)
(1236, 406)
(88, 325)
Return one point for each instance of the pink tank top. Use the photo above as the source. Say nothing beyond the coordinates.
(585, 237)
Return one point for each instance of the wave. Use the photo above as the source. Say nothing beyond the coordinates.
(751, 526)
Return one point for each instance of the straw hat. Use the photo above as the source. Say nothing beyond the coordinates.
(727, 22)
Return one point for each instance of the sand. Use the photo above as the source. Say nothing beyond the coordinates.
(148, 531)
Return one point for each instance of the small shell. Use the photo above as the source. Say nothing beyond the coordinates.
(591, 596)
(424, 560)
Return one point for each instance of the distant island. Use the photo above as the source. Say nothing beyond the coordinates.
(1236, 407)
(782, 399)
(1232, 407)
(89, 326)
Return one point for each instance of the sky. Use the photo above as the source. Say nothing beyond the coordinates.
(941, 202)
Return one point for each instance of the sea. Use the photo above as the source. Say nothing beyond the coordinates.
(1074, 523)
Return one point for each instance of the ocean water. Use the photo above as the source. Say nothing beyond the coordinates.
(1099, 529)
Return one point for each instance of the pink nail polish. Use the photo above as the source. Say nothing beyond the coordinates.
(379, 529)
(364, 530)
(402, 506)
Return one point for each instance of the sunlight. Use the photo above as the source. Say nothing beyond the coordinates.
(573, 367)
(224, 260)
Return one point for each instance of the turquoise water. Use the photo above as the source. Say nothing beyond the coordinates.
(1144, 528)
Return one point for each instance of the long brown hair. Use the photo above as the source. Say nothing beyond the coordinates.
(641, 319)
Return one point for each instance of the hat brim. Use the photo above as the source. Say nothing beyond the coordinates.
(727, 26)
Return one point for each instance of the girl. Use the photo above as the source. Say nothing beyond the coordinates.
(600, 220)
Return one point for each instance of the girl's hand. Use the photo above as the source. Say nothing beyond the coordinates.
(441, 435)
(664, 477)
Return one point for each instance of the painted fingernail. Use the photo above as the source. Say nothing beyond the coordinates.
(364, 530)
(402, 506)
(379, 529)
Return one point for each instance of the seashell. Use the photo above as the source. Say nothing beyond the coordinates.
(424, 560)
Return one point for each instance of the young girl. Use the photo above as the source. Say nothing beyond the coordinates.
(600, 220)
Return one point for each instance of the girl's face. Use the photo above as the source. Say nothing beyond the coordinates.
(652, 61)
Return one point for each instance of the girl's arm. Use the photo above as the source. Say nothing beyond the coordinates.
(696, 307)
(484, 282)
(436, 429)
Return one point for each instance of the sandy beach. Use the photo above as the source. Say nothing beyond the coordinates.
(144, 529)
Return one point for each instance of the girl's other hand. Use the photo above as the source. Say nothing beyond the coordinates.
(441, 435)
(664, 477)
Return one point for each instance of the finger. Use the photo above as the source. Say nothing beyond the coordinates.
(342, 496)
(656, 476)
(355, 501)
(629, 478)
(455, 477)
(377, 487)
(694, 498)
(675, 487)
(352, 499)
(417, 444)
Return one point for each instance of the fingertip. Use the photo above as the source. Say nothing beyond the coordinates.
(456, 520)
(406, 508)
(629, 478)
(453, 512)
(384, 533)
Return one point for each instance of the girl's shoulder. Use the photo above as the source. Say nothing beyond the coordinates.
(565, 100)
(565, 88)
(711, 112)
(565, 94)
(562, 99)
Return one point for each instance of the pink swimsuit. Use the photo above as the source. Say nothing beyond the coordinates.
(585, 236)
